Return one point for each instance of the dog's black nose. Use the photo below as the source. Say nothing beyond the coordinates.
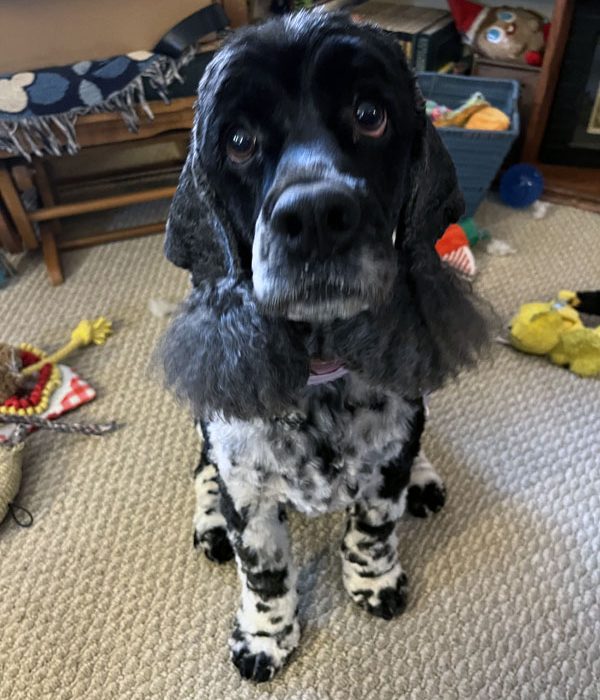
(316, 218)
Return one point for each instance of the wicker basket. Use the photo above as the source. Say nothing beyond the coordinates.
(477, 155)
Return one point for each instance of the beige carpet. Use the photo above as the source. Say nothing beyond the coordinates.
(105, 598)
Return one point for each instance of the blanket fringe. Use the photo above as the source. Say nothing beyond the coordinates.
(55, 134)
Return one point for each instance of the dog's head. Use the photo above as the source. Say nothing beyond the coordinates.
(314, 191)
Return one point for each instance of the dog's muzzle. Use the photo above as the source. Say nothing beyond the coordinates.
(315, 256)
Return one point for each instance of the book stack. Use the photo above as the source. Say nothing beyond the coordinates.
(427, 36)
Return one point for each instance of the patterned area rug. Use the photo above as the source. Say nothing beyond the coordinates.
(104, 597)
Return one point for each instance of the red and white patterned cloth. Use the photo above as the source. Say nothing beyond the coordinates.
(463, 260)
(453, 247)
(71, 393)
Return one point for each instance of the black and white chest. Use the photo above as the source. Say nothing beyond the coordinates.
(323, 456)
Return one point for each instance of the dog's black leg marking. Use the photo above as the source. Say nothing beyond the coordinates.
(266, 629)
(427, 492)
(372, 572)
(210, 534)
(396, 474)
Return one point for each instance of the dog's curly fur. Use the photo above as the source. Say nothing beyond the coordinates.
(240, 355)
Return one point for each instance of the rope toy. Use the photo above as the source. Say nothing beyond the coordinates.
(11, 455)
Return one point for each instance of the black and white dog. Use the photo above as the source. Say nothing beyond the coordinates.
(307, 212)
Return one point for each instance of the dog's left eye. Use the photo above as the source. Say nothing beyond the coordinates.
(370, 118)
(240, 145)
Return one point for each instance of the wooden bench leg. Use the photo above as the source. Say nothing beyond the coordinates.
(9, 238)
(14, 205)
(49, 230)
(51, 256)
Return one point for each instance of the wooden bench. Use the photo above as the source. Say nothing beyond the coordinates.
(92, 130)
(101, 34)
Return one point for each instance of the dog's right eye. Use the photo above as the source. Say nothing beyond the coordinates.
(370, 118)
(240, 145)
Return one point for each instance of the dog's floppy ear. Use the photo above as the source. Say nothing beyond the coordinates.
(433, 324)
(220, 354)
(450, 323)
(197, 237)
(434, 199)
(200, 236)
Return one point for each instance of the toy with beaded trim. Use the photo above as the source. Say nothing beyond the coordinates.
(29, 378)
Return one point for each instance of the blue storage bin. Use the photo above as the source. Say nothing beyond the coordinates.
(477, 155)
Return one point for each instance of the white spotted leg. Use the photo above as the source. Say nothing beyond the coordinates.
(266, 629)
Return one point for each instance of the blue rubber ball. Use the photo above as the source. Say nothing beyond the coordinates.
(521, 185)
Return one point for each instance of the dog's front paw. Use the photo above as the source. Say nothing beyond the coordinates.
(258, 656)
(426, 493)
(384, 596)
(425, 499)
(215, 544)
(254, 667)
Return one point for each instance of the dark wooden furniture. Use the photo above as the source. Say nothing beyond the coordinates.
(576, 186)
(41, 225)
(527, 76)
(9, 238)
(174, 119)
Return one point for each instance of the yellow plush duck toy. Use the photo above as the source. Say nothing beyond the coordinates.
(555, 329)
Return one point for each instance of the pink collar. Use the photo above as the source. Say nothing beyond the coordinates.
(323, 371)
